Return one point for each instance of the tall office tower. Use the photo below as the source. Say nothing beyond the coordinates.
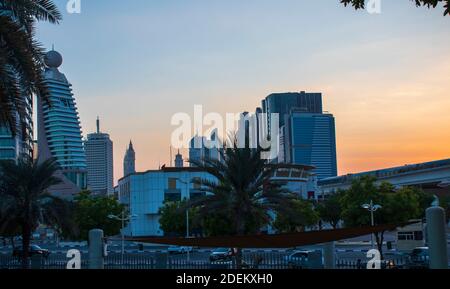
(283, 103)
(99, 154)
(249, 126)
(129, 161)
(310, 139)
(215, 146)
(59, 130)
(179, 160)
(198, 150)
(21, 144)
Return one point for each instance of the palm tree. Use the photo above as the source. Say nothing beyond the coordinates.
(243, 191)
(21, 57)
(360, 4)
(26, 202)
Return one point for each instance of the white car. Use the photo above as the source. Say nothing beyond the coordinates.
(179, 249)
(305, 260)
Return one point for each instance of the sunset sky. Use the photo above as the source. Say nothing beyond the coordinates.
(385, 77)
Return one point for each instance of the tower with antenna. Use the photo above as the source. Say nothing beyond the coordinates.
(129, 161)
(99, 155)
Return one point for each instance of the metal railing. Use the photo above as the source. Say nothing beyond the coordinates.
(263, 260)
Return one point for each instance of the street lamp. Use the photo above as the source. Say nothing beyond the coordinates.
(122, 217)
(187, 211)
(371, 208)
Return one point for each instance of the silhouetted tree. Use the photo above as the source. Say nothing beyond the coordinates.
(26, 202)
(360, 4)
(21, 57)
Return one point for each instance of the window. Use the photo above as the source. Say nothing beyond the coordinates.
(405, 236)
(172, 197)
(172, 183)
(418, 235)
(196, 185)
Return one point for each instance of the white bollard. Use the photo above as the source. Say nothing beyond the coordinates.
(329, 255)
(437, 238)
(96, 249)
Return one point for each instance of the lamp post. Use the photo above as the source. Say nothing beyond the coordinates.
(122, 218)
(187, 212)
(371, 208)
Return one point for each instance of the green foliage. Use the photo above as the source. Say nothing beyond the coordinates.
(295, 220)
(359, 4)
(173, 218)
(26, 203)
(243, 193)
(330, 209)
(91, 212)
(398, 206)
(21, 57)
(216, 224)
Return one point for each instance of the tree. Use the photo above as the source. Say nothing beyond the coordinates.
(242, 191)
(302, 215)
(330, 209)
(216, 224)
(173, 218)
(398, 206)
(26, 202)
(21, 57)
(91, 212)
(359, 4)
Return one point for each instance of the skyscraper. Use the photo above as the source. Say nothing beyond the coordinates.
(129, 161)
(283, 103)
(179, 160)
(310, 138)
(21, 144)
(99, 154)
(197, 150)
(307, 135)
(59, 130)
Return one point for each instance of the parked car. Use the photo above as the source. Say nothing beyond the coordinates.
(305, 260)
(221, 254)
(419, 257)
(384, 264)
(34, 250)
(179, 249)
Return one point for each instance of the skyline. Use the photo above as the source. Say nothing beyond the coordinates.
(380, 76)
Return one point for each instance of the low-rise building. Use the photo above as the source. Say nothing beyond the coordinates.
(145, 193)
(432, 177)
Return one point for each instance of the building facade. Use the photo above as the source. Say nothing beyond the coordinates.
(145, 193)
(310, 138)
(12, 147)
(307, 135)
(432, 177)
(198, 150)
(283, 103)
(59, 130)
(100, 168)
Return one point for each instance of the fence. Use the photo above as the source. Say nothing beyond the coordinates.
(264, 260)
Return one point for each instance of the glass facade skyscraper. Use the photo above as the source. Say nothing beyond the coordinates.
(310, 138)
(59, 129)
(283, 103)
(20, 145)
(307, 135)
